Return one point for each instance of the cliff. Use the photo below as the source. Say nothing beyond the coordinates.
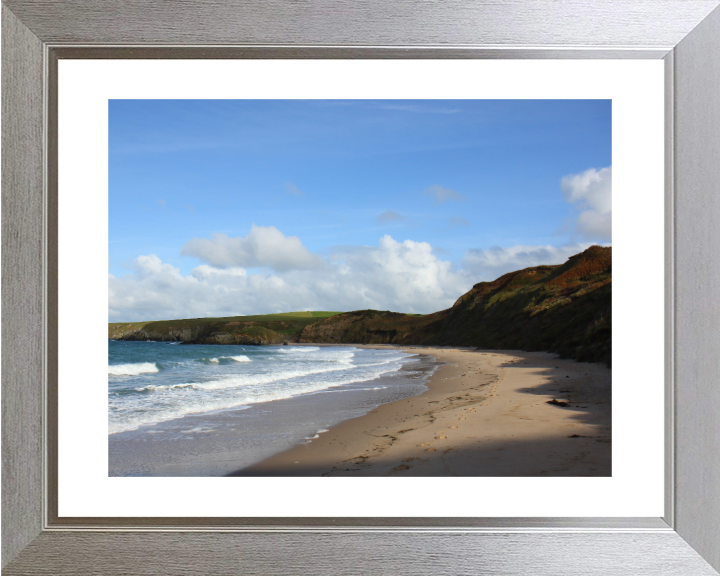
(564, 309)
(370, 327)
(266, 329)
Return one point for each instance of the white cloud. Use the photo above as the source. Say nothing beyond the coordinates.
(294, 190)
(400, 276)
(205, 272)
(591, 192)
(262, 247)
(389, 216)
(486, 265)
(440, 194)
(456, 221)
(404, 276)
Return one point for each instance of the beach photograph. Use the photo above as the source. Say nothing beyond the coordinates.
(360, 288)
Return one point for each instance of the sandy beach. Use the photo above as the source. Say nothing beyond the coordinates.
(485, 413)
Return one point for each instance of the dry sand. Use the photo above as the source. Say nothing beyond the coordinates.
(486, 413)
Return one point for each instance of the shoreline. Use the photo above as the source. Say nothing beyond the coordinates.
(217, 442)
(485, 413)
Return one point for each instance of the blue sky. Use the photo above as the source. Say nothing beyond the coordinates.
(215, 202)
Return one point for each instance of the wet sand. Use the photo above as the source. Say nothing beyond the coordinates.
(216, 443)
(486, 413)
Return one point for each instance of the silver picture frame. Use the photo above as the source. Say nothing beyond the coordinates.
(36, 34)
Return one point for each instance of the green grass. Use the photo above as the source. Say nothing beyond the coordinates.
(213, 320)
(127, 325)
(284, 323)
(304, 314)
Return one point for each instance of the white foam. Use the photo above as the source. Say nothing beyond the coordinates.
(132, 369)
(166, 406)
(240, 358)
(299, 349)
(323, 370)
(237, 358)
(270, 378)
(163, 387)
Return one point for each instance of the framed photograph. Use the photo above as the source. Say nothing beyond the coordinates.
(75, 80)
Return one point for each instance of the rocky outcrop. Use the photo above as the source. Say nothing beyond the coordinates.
(366, 327)
(202, 334)
(172, 334)
(118, 330)
(253, 336)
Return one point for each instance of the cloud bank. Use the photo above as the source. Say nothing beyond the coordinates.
(591, 192)
(401, 276)
(262, 247)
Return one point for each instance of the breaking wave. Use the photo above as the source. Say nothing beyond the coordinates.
(132, 369)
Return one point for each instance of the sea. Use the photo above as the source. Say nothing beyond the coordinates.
(210, 410)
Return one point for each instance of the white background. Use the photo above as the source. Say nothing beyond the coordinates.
(636, 486)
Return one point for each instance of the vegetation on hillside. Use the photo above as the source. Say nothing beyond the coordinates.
(259, 329)
(564, 309)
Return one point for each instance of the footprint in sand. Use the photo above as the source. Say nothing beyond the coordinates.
(441, 437)
(453, 426)
(402, 467)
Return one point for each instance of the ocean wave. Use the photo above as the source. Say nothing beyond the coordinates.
(309, 439)
(151, 387)
(132, 369)
(271, 378)
(177, 392)
(240, 358)
(195, 398)
(298, 349)
(237, 358)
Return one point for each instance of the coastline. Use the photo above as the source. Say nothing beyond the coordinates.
(485, 413)
(217, 442)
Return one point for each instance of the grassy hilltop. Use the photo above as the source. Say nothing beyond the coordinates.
(564, 308)
(257, 330)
